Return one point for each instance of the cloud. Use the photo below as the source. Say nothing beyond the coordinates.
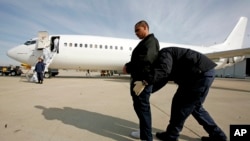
(181, 21)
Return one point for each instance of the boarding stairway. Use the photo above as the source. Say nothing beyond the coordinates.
(48, 53)
(48, 60)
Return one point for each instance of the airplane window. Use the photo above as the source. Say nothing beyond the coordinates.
(121, 48)
(27, 43)
(65, 44)
(80, 45)
(86, 45)
(130, 48)
(95, 46)
(116, 47)
(91, 45)
(70, 44)
(111, 47)
(106, 47)
(33, 42)
(100, 46)
(30, 42)
(75, 44)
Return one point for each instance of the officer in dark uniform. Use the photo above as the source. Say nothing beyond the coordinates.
(194, 74)
(39, 68)
(142, 59)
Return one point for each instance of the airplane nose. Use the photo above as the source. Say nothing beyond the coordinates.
(16, 53)
(11, 53)
(20, 53)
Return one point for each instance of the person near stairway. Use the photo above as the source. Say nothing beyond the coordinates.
(39, 69)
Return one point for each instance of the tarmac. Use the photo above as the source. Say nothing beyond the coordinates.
(76, 107)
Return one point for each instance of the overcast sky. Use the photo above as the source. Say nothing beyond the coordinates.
(195, 22)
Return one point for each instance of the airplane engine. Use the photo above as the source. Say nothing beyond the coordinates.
(226, 62)
(238, 59)
(221, 63)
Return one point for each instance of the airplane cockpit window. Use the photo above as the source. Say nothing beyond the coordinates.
(31, 42)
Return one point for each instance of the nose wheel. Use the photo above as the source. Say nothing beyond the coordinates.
(47, 75)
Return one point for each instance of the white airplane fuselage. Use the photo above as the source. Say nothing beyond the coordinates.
(106, 53)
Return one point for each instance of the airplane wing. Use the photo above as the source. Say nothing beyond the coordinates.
(229, 53)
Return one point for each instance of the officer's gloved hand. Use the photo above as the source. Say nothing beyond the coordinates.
(139, 87)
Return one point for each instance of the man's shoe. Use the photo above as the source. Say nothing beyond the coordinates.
(212, 139)
(135, 134)
(163, 137)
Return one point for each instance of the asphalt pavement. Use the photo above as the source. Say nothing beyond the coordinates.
(76, 107)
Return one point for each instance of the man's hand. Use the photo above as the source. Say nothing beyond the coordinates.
(124, 70)
(139, 87)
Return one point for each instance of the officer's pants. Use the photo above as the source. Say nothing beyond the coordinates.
(188, 100)
(142, 108)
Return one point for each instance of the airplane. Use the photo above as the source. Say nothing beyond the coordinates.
(107, 53)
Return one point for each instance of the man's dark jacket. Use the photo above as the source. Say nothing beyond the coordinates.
(40, 66)
(143, 57)
(179, 65)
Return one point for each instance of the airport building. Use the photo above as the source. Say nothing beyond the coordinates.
(237, 70)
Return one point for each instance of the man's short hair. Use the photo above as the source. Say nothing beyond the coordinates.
(142, 23)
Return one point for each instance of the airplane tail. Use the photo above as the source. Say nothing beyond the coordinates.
(236, 37)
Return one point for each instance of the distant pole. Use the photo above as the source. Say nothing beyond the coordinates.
(248, 35)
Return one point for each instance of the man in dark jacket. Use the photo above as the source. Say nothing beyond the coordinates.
(194, 74)
(39, 68)
(142, 59)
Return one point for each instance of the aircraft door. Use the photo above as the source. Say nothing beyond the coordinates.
(43, 40)
(55, 40)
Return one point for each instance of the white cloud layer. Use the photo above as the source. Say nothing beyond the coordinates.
(199, 22)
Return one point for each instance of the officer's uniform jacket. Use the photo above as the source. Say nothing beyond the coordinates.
(143, 57)
(179, 65)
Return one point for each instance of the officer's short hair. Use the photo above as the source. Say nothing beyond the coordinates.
(142, 23)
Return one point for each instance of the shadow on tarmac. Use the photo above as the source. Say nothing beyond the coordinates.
(104, 125)
(97, 123)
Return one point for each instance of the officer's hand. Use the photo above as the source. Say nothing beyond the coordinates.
(124, 70)
(139, 87)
